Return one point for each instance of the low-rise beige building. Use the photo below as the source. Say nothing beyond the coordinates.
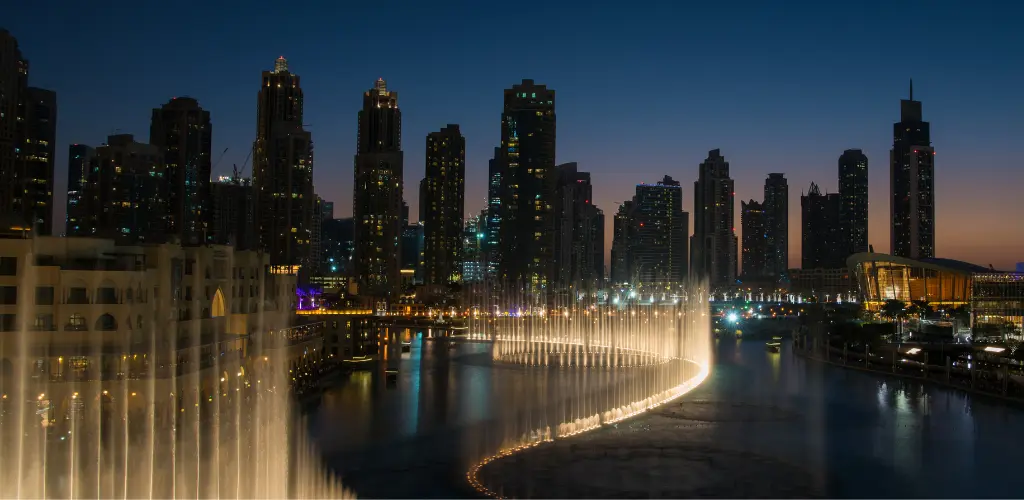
(84, 315)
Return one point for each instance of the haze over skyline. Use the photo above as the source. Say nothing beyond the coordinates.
(641, 92)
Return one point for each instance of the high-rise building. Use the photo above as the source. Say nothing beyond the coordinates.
(853, 201)
(327, 209)
(622, 227)
(912, 183)
(491, 247)
(122, 198)
(658, 247)
(283, 171)
(713, 248)
(474, 263)
(315, 249)
(579, 233)
(755, 241)
(776, 225)
(526, 235)
(182, 130)
(443, 205)
(233, 220)
(13, 78)
(80, 158)
(377, 197)
(337, 247)
(821, 235)
(28, 138)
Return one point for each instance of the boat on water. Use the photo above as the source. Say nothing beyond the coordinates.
(773, 346)
(406, 346)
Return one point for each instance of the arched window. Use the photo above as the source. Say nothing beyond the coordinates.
(218, 304)
(106, 323)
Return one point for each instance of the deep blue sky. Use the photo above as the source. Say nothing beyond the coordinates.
(643, 88)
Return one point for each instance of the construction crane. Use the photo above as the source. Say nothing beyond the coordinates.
(236, 173)
(219, 158)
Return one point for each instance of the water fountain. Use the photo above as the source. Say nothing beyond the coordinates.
(620, 359)
(149, 412)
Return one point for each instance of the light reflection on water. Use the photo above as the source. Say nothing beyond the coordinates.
(857, 434)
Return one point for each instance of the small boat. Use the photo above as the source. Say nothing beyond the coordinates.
(451, 345)
(773, 346)
(406, 346)
(391, 377)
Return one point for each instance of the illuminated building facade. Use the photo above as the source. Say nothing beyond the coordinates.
(443, 206)
(493, 225)
(183, 132)
(912, 184)
(377, 196)
(659, 229)
(943, 283)
(28, 133)
(853, 201)
(526, 236)
(122, 198)
(997, 304)
(283, 170)
(474, 259)
(110, 314)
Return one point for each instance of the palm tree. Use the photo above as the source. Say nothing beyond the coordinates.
(894, 309)
(923, 308)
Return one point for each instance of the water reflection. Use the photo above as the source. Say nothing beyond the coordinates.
(855, 434)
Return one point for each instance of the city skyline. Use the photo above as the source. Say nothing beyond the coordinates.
(798, 124)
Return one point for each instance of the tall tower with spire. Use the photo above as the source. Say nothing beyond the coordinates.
(282, 168)
(912, 183)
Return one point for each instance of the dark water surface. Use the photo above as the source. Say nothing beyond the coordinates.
(763, 424)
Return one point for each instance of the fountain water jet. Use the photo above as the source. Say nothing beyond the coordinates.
(624, 358)
(158, 408)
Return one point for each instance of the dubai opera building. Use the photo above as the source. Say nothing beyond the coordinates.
(995, 298)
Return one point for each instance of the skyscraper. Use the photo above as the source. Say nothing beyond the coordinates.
(80, 158)
(474, 264)
(526, 234)
(13, 78)
(283, 170)
(491, 248)
(776, 225)
(755, 241)
(622, 228)
(821, 234)
(912, 183)
(444, 206)
(657, 248)
(182, 130)
(28, 138)
(233, 212)
(377, 196)
(713, 247)
(579, 245)
(122, 198)
(853, 201)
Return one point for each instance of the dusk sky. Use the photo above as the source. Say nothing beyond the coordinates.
(643, 89)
